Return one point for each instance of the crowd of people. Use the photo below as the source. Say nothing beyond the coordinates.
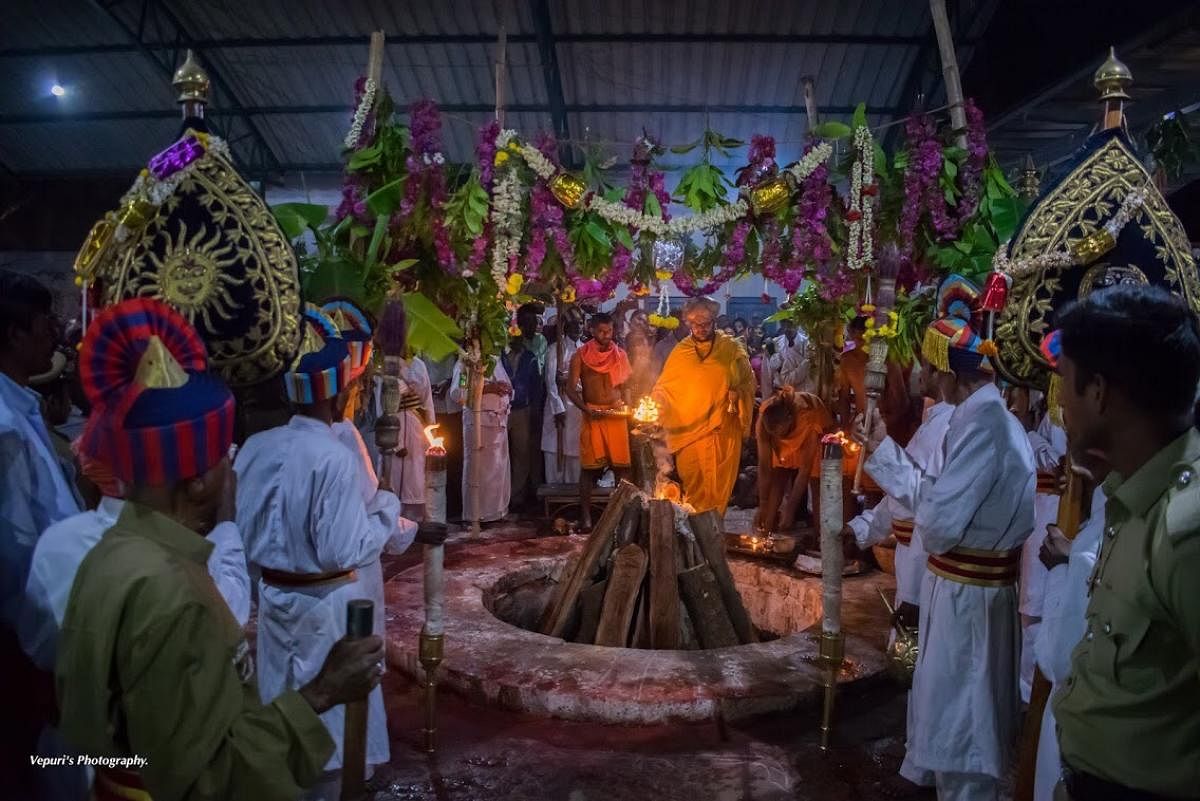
(135, 533)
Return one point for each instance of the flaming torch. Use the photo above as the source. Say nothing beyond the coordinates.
(432, 641)
(645, 464)
(832, 644)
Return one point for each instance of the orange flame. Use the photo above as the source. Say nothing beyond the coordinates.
(839, 438)
(437, 445)
(646, 411)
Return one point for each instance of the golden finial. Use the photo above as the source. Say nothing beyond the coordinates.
(1112, 78)
(191, 81)
(1030, 183)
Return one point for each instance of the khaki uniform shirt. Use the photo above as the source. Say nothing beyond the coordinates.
(151, 663)
(1130, 711)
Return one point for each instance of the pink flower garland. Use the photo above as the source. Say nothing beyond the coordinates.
(485, 155)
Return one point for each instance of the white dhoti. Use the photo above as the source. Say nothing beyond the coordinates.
(485, 494)
(556, 404)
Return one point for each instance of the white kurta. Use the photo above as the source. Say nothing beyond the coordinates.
(874, 525)
(789, 365)
(1063, 625)
(61, 549)
(965, 690)
(1049, 443)
(408, 471)
(495, 481)
(302, 509)
(557, 403)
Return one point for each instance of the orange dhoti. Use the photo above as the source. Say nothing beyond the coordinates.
(708, 467)
(603, 442)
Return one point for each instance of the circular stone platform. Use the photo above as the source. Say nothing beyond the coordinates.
(497, 663)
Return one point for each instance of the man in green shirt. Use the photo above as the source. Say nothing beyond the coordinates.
(152, 670)
(1129, 714)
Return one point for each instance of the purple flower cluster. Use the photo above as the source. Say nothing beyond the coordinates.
(485, 153)
(921, 190)
(546, 225)
(811, 244)
(353, 201)
(427, 178)
(833, 283)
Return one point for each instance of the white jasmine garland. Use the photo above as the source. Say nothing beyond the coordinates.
(812, 159)
(1065, 258)
(859, 248)
(360, 115)
(541, 165)
(506, 223)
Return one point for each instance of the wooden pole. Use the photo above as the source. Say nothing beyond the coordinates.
(810, 102)
(375, 57)
(501, 66)
(476, 388)
(360, 617)
(954, 92)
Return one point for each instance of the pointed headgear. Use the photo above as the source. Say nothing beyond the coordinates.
(356, 327)
(158, 416)
(322, 367)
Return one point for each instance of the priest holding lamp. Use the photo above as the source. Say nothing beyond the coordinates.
(706, 393)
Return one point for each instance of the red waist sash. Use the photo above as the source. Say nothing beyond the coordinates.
(978, 568)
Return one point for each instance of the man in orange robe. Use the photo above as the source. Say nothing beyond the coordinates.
(789, 431)
(706, 400)
(599, 376)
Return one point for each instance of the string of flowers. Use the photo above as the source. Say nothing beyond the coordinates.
(1073, 254)
(810, 240)
(861, 214)
(546, 217)
(364, 113)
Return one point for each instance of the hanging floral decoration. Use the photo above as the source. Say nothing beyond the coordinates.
(478, 238)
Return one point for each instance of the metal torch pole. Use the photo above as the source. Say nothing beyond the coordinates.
(360, 619)
(875, 379)
(832, 645)
(432, 639)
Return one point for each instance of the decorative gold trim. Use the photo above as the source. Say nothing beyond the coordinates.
(1075, 209)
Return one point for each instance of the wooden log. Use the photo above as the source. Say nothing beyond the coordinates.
(596, 549)
(627, 529)
(664, 586)
(620, 599)
(640, 636)
(559, 588)
(707, 528)
(591, 600)
(688, 641)
(702, 596)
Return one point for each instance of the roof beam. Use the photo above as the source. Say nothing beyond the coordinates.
(540, 9)
(164, 61)
(341, 108)
(401, 39)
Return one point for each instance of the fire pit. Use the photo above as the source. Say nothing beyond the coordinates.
(499, 597)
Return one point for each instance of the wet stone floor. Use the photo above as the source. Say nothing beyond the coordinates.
(493, 754)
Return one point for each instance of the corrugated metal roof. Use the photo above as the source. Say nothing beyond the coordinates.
(292, 65)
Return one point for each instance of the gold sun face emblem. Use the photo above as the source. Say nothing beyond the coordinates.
(194, 274)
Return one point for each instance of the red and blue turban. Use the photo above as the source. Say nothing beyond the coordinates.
(158, 416)
(322, 368)
(356, 327)
(951, 341)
